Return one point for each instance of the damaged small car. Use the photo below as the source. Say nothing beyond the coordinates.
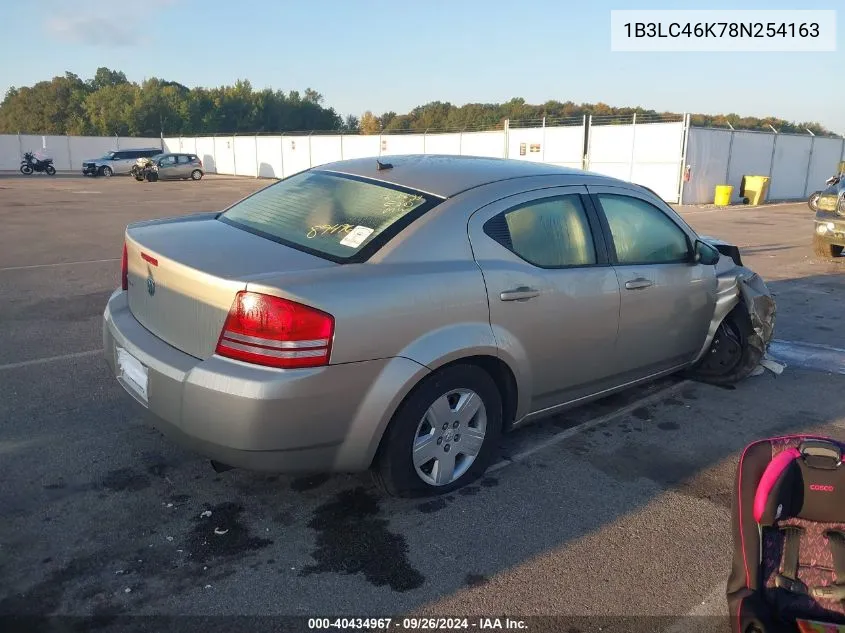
(400, 317)
(829, 234)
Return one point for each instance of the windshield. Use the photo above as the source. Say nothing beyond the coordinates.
(108, 155)
(329, 214)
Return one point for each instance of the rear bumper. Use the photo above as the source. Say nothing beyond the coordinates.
(831, 230)
(307, 420)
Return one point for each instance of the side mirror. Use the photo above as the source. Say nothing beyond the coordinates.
(705, 254)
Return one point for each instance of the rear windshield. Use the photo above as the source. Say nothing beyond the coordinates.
(331, 215)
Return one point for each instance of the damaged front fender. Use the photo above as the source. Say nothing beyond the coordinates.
(738, 285)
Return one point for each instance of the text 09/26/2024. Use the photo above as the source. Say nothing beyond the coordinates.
(723, 31)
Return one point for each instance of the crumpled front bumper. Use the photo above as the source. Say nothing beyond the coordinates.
(739, 284)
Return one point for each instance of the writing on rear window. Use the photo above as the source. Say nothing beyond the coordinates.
(320, 210)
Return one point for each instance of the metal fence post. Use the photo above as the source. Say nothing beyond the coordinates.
(728, 162)
(424, 133)
(282, 153)
(214, 153)
(507, 138)
(257, 164)
(341, 146)
(809, 165)
(379, 144)
(234, 157)
(310, 159)
(772, 161)
(633, 146)
(585, 139)
(684, 150)
(69, 153)
(543, 143)
(842, 151)
(589, 135)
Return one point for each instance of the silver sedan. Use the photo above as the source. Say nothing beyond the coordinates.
(400, 317)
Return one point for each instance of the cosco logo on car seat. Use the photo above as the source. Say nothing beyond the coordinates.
(821, 488)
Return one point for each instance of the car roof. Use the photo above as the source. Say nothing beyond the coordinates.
(447, 175)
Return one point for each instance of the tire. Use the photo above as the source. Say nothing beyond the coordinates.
(455, 386)
(152, 177)
(51, 171)
(824, 249)
(813, 201)
(26, 170)
(139, 178)
(196, 175)
(106, 171)
(730, 358)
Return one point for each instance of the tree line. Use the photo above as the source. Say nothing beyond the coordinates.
(109, 104)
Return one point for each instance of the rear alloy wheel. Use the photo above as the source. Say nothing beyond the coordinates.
(51, 171)
(106, 171)
(196, 174)
(443, 436)
(731, 357)
(824, 249)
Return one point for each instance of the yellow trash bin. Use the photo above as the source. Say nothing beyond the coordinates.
(723, 195)
(754, 189)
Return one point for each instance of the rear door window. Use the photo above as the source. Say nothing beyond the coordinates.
(338, 217)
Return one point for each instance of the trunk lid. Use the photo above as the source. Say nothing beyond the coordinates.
(184, 274)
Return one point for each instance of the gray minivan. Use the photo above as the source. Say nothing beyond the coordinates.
(117, 162)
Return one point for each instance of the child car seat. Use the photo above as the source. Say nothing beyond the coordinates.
(788, 571)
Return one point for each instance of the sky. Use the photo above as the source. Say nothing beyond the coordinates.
(382, 56)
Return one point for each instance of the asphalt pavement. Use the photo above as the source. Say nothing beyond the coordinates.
(620, 508)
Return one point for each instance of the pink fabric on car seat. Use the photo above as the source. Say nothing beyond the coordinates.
(773, 471)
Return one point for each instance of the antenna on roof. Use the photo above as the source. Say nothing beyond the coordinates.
(380, 165)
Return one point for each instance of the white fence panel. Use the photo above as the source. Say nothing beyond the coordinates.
(187, 144)
(172, 144)
(490, 144)
(224, 154)
(269, 150)
(707, 157)
(789, 169)
(751, 155)
(10, 152)
(443, 144)
(827, 152)
(398, 144)
(84, 148)
(565, 146)
(657, 156)
(296, 154)
(245, 158)
(363, 146)
(326, 149)
(611, 150)
(131, 142)
(205, 151)
(526, 144)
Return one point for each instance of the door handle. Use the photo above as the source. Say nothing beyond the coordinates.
(519, 294)
(636, 284)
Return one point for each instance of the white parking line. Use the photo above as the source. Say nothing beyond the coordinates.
(87, 261)
(580, 428)
(41, 361)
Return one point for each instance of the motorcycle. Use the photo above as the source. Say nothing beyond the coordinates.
(813, 200)
(30, 164)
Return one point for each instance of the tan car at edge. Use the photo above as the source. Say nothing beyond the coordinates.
(400, 316)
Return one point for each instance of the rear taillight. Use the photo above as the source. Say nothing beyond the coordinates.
(124, 269)
(272, 331)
